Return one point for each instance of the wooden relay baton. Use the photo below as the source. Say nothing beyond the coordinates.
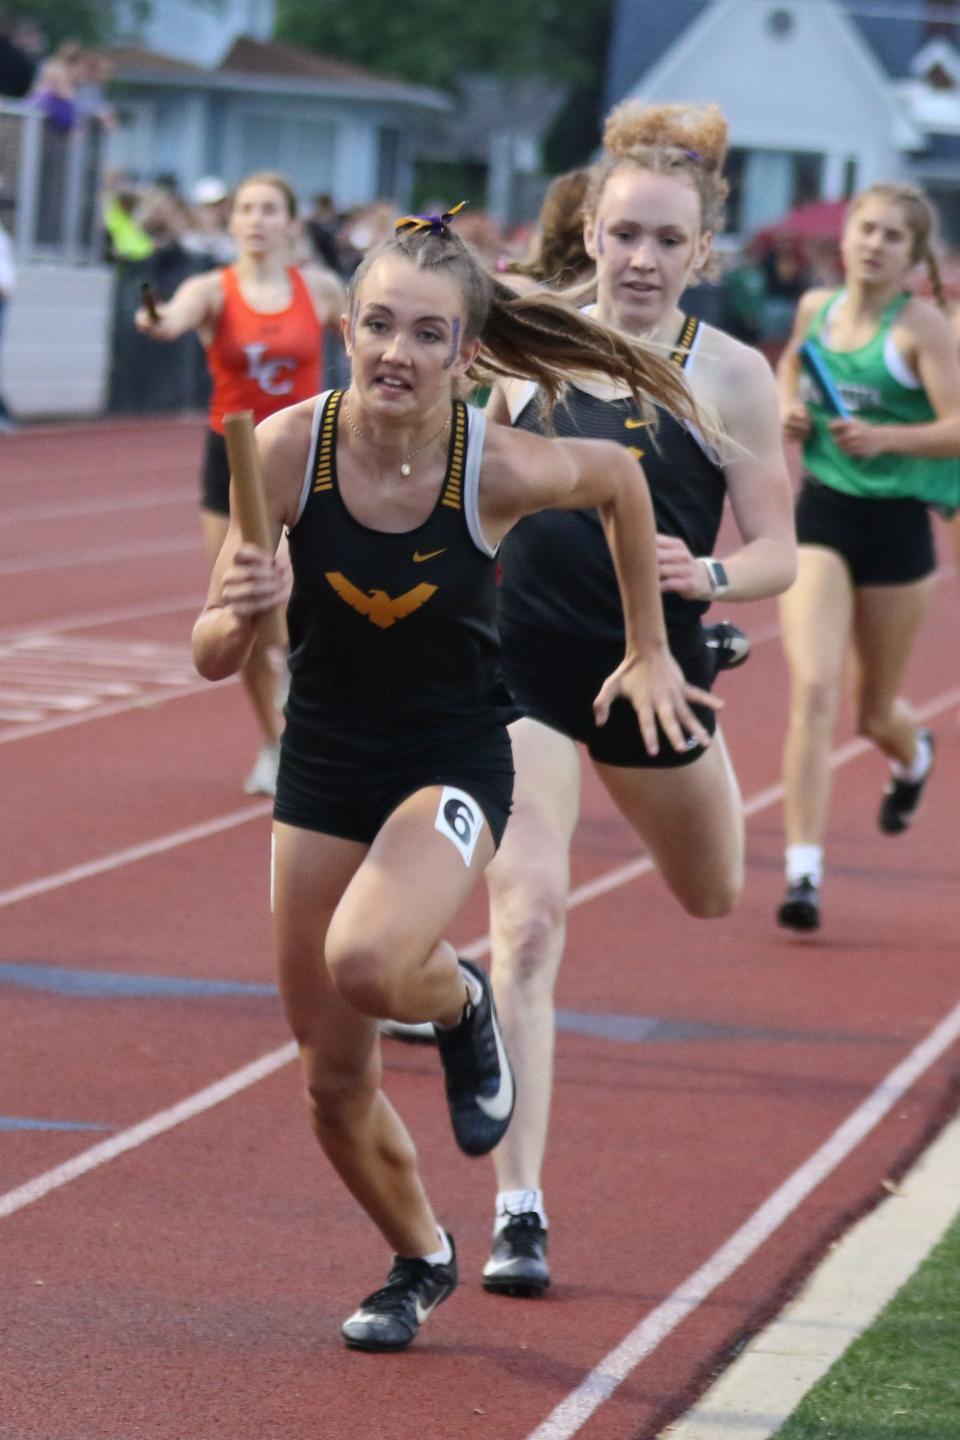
(149, 302)
(251, 508)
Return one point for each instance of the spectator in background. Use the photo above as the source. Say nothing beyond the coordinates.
(8, 279)
(91, 75)
(557, 256)
(206, 232)
(321, 226)
(743, 293)
(55, 92)
(126, 237)
(21, 46)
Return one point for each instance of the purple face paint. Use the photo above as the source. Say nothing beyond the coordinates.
(600, 238)
(353, 322)
(454, 345)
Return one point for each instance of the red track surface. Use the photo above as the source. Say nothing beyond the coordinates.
(193, 1286)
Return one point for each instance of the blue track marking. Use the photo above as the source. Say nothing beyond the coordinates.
(19, 1122)
(621, 1029)
(111, 984)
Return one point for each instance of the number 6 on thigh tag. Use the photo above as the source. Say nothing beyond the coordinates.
(460, 818)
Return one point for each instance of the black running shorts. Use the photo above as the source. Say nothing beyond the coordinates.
(556, 681)
(349, 784)
(884, 542)
(215, 476)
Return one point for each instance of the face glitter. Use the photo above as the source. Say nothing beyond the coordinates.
(454, 344)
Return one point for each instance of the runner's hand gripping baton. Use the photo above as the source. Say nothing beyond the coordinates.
(251, 508)
(813, 362)
(149, 302)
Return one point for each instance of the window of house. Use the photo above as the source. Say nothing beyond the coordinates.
(388, 161)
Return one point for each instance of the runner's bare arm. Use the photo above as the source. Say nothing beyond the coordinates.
(246, 579)
(194, 305)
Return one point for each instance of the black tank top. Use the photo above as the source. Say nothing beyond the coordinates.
(393, 629)
(558, 576)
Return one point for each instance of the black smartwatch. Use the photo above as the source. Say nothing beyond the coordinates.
(719, 584)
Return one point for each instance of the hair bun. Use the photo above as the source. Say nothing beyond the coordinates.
(699, 131)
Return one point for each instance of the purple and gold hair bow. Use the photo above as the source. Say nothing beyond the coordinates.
(436, 224)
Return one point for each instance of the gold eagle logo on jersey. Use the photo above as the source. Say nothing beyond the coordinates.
(381, 609)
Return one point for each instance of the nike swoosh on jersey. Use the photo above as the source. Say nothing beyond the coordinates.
(636, 424)
(498, 1107)
(418, 559)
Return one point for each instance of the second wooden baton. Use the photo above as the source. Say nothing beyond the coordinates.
(251, 507)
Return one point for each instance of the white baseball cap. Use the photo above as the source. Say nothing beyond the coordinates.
(209, 191)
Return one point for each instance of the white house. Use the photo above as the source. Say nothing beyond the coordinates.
(200, 31)
(328, 125)
(822, 99)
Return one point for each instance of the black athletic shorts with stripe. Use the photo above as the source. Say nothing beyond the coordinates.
(350, 782)
(556, 681)
(883, 542)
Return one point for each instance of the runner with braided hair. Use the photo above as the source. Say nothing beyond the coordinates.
(396, 775)
(879, 419)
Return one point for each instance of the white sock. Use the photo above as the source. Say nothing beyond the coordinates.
(518, 1202)
(921, 762)
(474, 988)
(804, 861)
(441, 1257)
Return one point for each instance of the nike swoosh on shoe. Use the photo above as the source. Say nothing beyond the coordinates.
(498, 1107)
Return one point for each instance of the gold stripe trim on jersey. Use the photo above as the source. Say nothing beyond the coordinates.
(323, 474)
(453, 489)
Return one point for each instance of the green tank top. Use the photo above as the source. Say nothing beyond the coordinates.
(875, 383)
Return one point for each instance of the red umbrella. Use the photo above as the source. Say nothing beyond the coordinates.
(819, 220)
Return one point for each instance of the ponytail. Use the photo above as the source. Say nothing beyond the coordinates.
(540, 336)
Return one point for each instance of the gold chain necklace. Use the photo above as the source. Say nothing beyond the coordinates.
(405, 462)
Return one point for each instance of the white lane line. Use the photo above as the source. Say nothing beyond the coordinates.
(143, 701)
(573, 1412)
(45, 883)
(99, 507)
(92, 618)
(147, 1129)
(73, 559)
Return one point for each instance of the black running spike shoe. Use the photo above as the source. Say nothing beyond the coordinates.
(901, 799)
(518, 1257)
(390, 1318)
(728, 645)
(479, 1081)
(801, 906)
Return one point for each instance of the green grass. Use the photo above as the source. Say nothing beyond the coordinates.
(901, 1379)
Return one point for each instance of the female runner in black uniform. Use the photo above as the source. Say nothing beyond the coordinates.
(395, 773)
(655, 200)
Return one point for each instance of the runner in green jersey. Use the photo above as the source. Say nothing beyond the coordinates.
(877, 407)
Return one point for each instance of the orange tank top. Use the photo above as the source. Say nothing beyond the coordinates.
(263, 362)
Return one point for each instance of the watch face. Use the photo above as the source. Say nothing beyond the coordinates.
(719, 575)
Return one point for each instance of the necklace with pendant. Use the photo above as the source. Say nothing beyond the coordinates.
(405, 462)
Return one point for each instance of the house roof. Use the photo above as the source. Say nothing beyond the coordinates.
(260, 57)
(270, 68)
(125, 58)
(642, 33)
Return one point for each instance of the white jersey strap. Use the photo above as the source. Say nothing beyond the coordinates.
(318, 410)
(476, 434)
(518, 394)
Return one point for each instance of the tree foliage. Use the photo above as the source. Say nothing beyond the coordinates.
(432, 42)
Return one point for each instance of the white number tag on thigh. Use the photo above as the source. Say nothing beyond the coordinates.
(459, 817)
